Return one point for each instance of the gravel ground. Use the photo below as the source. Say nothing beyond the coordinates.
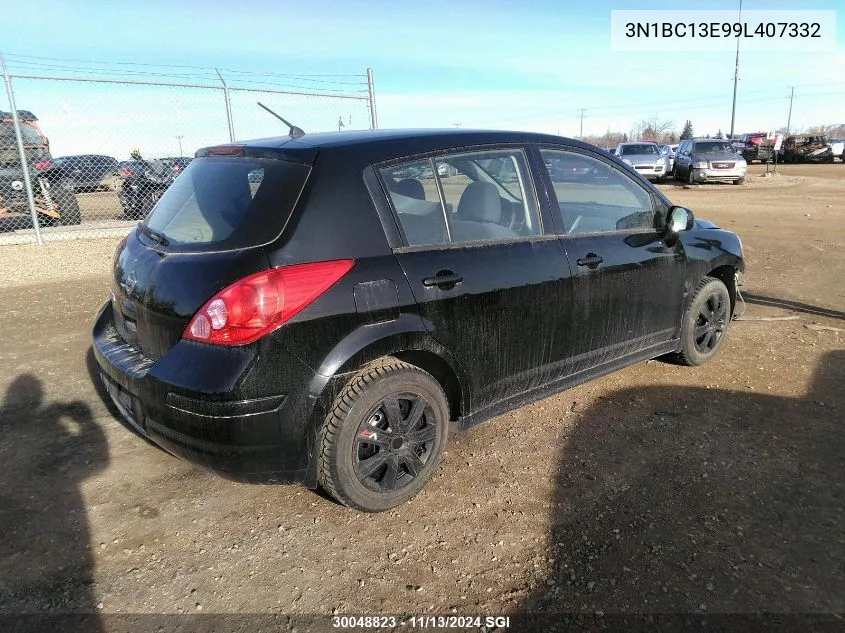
(657, 489)
(28, 264)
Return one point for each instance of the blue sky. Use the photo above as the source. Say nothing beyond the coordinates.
(436, 63)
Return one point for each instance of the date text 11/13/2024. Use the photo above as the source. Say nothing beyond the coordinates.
(352, 622)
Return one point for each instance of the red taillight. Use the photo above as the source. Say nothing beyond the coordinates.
(258, 304)
(42, 164)
(225, 150)
(125, 172)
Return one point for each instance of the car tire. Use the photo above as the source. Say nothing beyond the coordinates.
(739, 181)
(705, 323)
(391, 412)
(691, 176)
(68, 207)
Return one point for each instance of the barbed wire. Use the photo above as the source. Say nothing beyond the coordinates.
(74, 68)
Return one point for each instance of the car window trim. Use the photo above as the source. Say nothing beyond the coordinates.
(546, 237)
(551, 221)
(555, 203)
(432, 156)
(389, 222)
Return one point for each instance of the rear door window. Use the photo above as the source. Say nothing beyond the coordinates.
(464, 197)
(413, 191)
(227, 203)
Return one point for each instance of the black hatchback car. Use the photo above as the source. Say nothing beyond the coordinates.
(86, 171)
(323, 310)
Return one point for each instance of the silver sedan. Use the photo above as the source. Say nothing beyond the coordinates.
(646, 158)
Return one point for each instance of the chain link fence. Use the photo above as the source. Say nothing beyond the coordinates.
(77, 138)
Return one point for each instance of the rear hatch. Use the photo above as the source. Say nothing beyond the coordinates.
(205, 233)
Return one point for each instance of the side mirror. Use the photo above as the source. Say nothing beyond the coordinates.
(678, 219)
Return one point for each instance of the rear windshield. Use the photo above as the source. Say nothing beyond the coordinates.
(226, 203)
(639, 150)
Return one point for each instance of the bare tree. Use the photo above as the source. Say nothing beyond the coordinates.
(653, 129)
(608, 139)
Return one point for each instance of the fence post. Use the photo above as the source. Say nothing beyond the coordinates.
(373, 116)
(228, 107)
(21, 152)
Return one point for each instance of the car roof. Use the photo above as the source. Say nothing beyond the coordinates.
(456, 136)
(87, 156)
(375, 146)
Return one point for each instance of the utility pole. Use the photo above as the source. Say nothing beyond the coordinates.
(736, 75)
(581, 135)
(789, 118)
(179, 138)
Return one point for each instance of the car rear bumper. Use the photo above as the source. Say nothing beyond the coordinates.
(245, 434)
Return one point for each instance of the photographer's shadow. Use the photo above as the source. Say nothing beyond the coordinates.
(46, 453)
(702, 501)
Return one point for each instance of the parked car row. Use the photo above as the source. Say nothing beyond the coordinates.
(701, 160)
(55, 181)
(800, 148)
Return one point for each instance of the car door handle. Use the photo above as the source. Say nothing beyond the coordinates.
(591, 260)
(443, 278)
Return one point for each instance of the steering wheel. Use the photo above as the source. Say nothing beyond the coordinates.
(575, 224)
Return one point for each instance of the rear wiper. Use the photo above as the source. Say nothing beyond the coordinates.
(155, 236)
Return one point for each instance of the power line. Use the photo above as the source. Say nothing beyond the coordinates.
(702, 105)
(153, 65)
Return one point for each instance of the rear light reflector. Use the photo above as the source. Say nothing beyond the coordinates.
(256, 305)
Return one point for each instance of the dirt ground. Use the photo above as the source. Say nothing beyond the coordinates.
(658, 489)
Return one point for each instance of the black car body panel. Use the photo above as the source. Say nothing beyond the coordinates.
(530, 316)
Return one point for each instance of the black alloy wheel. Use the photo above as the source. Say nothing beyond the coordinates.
(384, 436)
(711, 323)
(706, 322)
(394, 443)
